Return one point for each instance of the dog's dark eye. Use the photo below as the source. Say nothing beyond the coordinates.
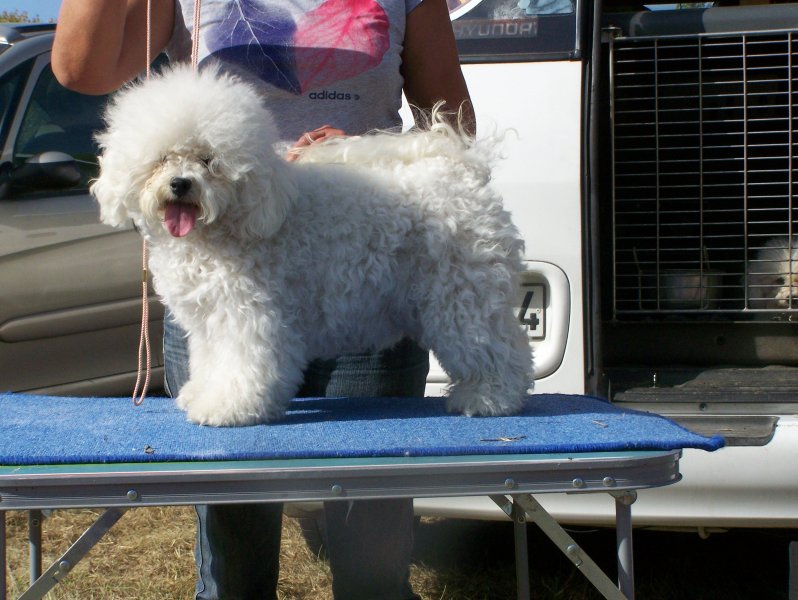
(206, 160)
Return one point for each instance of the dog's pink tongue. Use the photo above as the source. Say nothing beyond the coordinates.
(180, 218)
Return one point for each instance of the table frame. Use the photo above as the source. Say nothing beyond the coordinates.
(511, 481)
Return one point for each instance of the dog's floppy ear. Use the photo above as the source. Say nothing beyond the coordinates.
(110, 195)
(267, 196)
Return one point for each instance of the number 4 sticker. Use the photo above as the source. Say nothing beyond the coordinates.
(532, 312)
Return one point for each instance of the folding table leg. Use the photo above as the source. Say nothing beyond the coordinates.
(518, 515)
(35, 544)
(536, 513)
(61, 567)
(521, 553)
(623, 528)
(793, 593)
(3, 583)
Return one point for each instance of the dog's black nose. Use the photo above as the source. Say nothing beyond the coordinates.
(180, 186)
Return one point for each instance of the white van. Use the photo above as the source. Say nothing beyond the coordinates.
(655, 154)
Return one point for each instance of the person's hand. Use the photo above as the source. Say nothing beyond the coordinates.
(317, 136)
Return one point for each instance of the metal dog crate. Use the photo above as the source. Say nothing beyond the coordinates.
(704, 134)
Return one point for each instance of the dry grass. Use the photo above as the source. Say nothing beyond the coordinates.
(148, 555)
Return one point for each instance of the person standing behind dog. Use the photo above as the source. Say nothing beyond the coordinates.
(327, 68)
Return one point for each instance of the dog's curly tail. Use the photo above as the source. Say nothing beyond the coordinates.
(446, 122)
(437, 134)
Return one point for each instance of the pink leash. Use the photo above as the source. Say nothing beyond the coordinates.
(144, 369)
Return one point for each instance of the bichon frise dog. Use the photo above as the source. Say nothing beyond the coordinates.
(773, 274)
(269, 264)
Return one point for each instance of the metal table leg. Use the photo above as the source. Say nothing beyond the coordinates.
(3, 583)
(521, 552)
(35, 544)
(518, 515)
(623, 528)
(536, 513)
(61, 567)
(792, 594)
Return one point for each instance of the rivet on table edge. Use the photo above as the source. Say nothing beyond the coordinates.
(132, 495)
(337, 489)
(608, 481)
(509, 483)
(578, 482)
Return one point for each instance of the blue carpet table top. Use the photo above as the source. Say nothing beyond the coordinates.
(40, 430)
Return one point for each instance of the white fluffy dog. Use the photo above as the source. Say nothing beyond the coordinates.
(773, 274)
(269, 264)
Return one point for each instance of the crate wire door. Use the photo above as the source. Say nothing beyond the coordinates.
(702, 165)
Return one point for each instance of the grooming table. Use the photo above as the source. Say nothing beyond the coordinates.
(58, 453)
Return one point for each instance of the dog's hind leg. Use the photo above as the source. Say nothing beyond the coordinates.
(486, 354)
(490, 377)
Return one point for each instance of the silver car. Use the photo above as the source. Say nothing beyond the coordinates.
(70, 308)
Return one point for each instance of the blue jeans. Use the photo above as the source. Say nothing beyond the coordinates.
(369, 543)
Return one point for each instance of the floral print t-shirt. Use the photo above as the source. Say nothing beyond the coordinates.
(319, 62)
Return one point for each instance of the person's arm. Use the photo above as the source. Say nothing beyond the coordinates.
(101, 44)
(431, 65)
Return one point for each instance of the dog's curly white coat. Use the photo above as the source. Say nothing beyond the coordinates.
(269, 264)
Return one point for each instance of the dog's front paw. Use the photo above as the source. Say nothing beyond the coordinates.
(211, 412)
(482, 400)
(217, 407)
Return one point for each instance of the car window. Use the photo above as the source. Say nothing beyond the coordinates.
(57, 119)
(11, 86)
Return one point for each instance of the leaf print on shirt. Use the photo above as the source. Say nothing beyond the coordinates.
(258, 37)
(336, 41)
